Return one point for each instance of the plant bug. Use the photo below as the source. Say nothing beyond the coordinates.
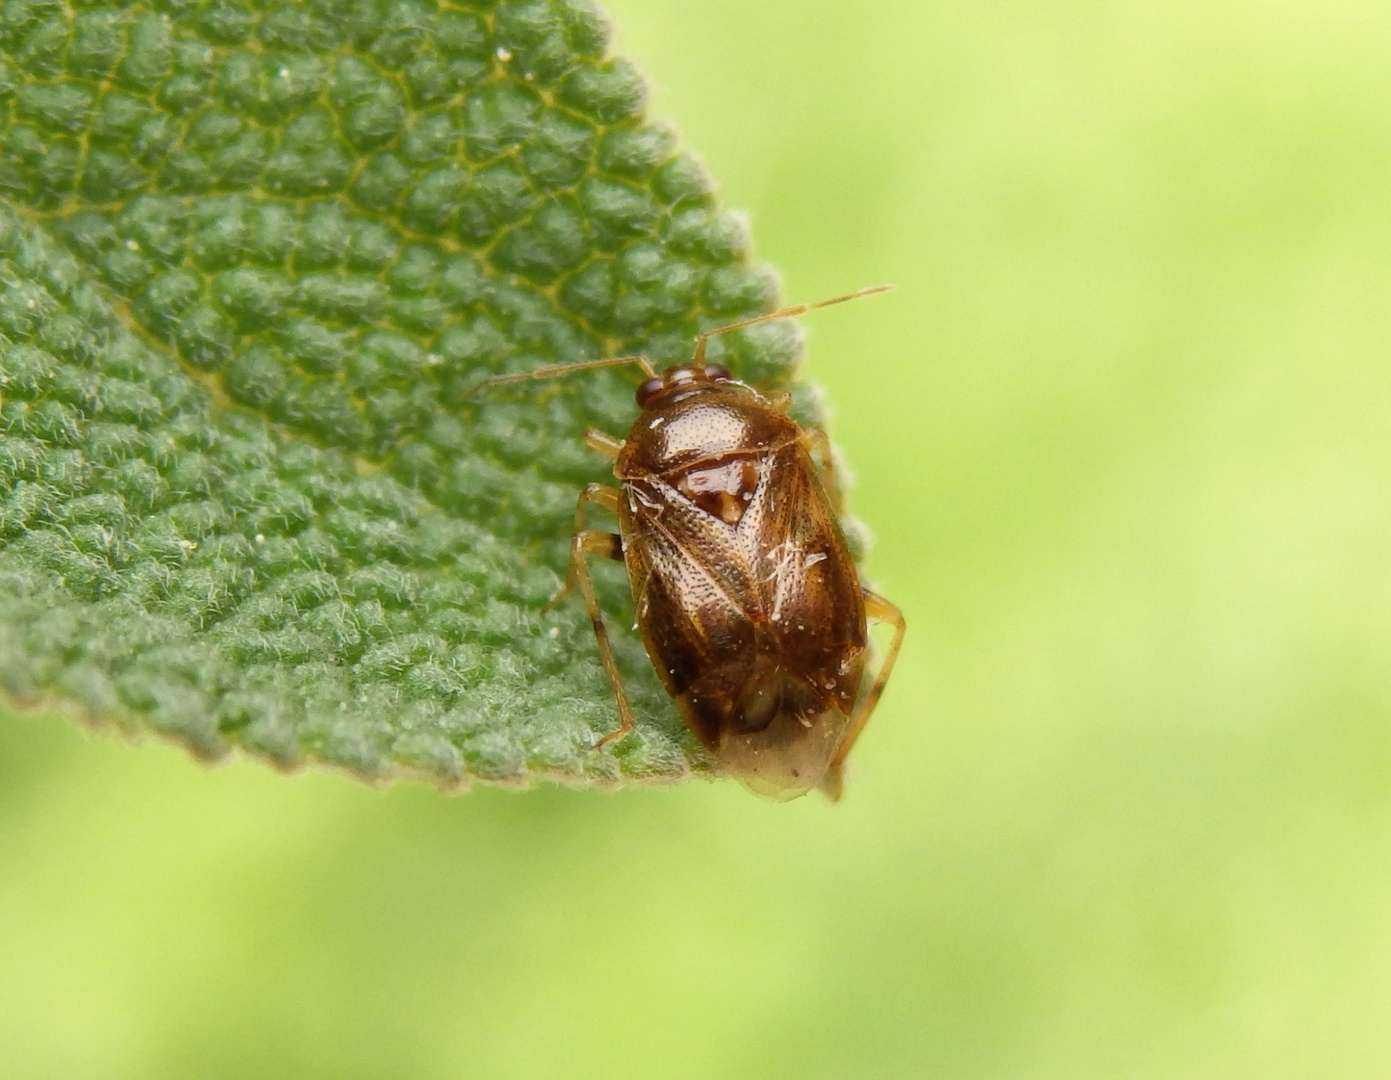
(746, 596)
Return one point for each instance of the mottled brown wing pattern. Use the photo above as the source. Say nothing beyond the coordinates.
(688, 575)
(807, 587)
(715, 598)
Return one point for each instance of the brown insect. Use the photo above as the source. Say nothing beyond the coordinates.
(746, 596)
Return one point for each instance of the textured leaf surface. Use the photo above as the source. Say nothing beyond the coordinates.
(253, 258)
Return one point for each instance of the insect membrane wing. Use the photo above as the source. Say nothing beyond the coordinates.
(791, 755)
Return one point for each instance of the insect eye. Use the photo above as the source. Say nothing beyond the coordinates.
(648, 390)
(717, 373)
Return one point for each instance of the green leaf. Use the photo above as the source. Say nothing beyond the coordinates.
(254, 256)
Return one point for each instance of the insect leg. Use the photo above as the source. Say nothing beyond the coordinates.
(588, 542)
(606, 498)
(604, 444)
(813, 440)
(881, 610)
(611, 547)
(781, 400)
(550, 371)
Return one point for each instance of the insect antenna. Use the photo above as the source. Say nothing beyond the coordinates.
(786, 313)
(551, 371)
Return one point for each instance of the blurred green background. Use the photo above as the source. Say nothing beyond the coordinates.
(1124, 435)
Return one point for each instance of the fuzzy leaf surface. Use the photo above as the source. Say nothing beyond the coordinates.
(253, 258)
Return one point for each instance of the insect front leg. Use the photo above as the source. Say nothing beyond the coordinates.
(880, 610)
(814, 440)
(604, 444)
(588, 542)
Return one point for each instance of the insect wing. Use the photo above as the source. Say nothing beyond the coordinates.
(806, 584)
(691, 583)
(746, 621)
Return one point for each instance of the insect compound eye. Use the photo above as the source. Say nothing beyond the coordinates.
(648, 390)
(718, 373)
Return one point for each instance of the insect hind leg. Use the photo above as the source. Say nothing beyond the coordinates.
(881, 610)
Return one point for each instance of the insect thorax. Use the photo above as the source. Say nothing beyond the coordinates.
(705, 425)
